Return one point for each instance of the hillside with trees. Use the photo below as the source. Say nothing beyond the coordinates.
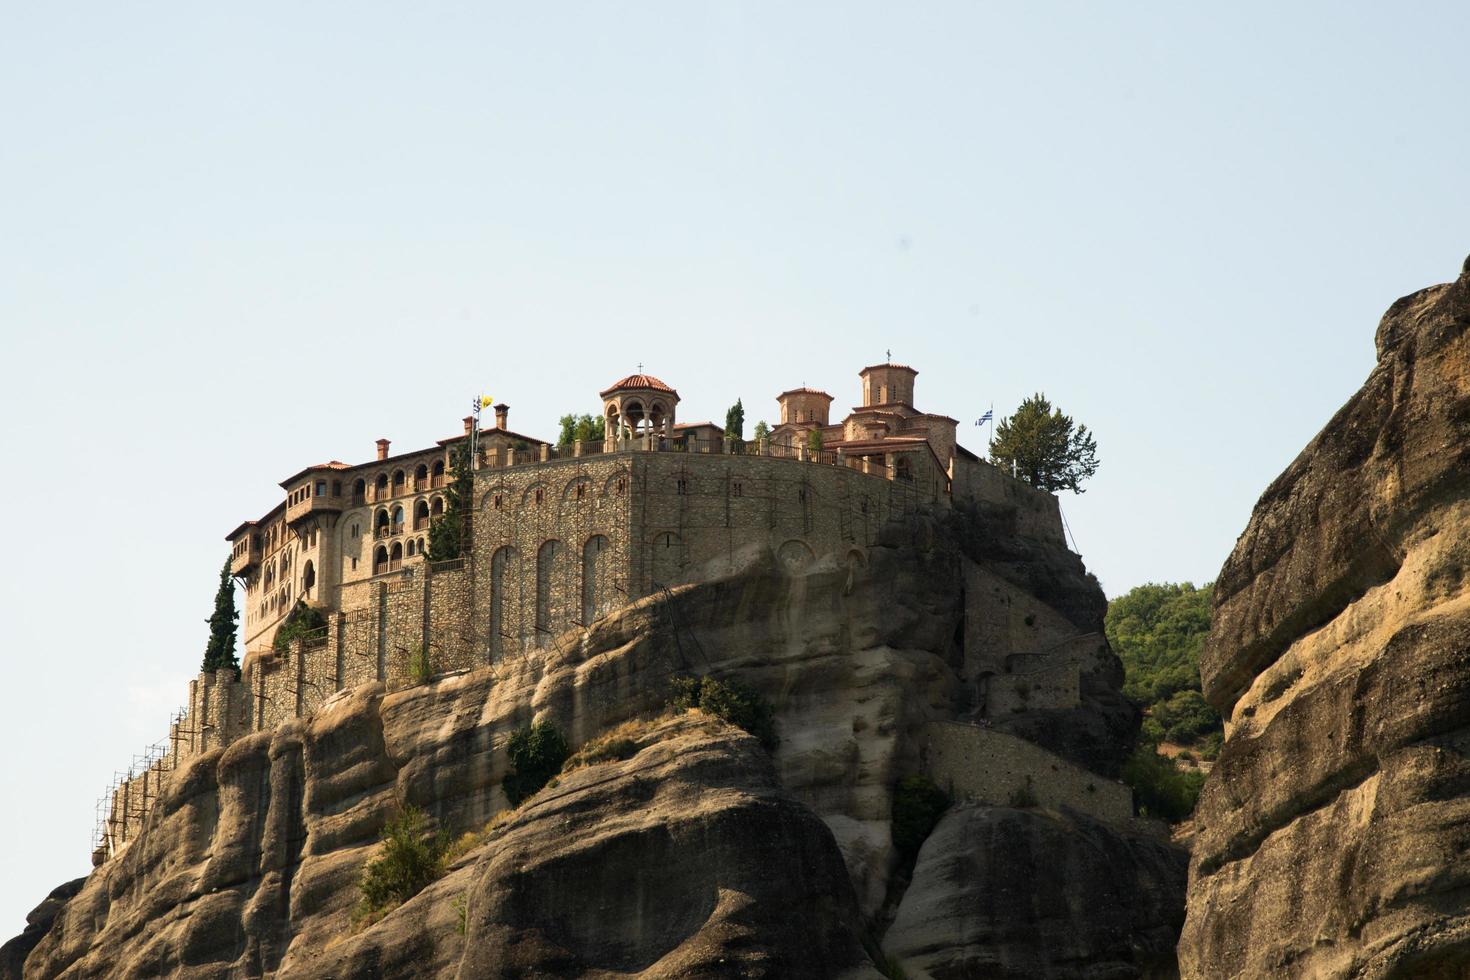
(1157, 630)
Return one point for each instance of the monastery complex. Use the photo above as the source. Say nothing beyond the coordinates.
(559, 537)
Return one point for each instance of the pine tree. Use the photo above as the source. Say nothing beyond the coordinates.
(449, 534)
(1044, 447)
(220, 652)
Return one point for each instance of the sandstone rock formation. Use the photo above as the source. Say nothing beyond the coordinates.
(1333, 828)
(696, 857)
(996, 894)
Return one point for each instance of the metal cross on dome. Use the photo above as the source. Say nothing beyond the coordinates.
(640, 367)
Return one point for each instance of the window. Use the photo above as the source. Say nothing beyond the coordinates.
(622, 485)
(737, 489)
(540, 495)
(321, 488)
(683, 485)
(499, 499)
(336, 488)
(308, 577)
(581, 490)
(398, 479)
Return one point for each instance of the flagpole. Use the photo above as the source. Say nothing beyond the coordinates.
(475, 434)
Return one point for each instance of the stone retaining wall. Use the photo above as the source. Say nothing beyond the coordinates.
(986, 766)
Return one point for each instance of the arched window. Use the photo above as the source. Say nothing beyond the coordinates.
(548, 568)
(380, 522)
(502, 572)
(410, 547)
(395, 557)
(421, 476)
(420, 515)
(380, 487)
(398, 479)
(595, 566)
(438, 472)
(308, 576)
(397, 519)
(436, 509)
(359, 492)
(380, 560)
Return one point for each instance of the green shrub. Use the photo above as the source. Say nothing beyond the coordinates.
(420, 666)
(536, 754)
(411, 859)
(733, 702)
(304, 622)
(1024, 797)
(1163, 790)
(917, 806)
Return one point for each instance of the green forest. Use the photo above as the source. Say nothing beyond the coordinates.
(1157, 630)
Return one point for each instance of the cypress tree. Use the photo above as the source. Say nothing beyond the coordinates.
(449, 535)
(220, 652)
(735, 422)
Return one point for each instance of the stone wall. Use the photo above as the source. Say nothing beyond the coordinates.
(1038, 514)
(985, 766)
(1053, 688)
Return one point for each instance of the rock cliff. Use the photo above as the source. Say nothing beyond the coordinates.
(1332, 829)
(699, 855)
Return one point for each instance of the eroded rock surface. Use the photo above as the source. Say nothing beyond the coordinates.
(1005, 893)
(698, 857)
(1332, 830)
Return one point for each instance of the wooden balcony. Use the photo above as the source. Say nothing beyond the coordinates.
(325, 504)
(246, 559)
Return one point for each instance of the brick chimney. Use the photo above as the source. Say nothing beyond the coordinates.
(469, 423)
(502, 412)
(383, 445)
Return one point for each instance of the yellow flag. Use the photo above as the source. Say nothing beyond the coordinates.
(486, 401)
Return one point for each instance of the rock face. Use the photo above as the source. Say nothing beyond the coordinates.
(996, 894)
(1333, 827)
(13, 954)
(700, 855)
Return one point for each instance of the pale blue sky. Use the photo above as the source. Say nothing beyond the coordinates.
(236, 242)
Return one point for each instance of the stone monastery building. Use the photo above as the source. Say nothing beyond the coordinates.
(562, 536)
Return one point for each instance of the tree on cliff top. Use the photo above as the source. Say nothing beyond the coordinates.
(588, 428)
(220, 651)
(1044, 447)
(735, 422)
(448, 534)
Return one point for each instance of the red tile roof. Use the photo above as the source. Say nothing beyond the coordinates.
(900, 367)
(639, 382)
(805, 391)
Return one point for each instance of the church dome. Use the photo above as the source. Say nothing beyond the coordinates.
(639, 382)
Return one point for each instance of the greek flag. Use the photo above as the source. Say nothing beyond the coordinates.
(988, 416)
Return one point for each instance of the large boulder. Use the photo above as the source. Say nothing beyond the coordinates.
(1331, 831)
(1005, 893)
